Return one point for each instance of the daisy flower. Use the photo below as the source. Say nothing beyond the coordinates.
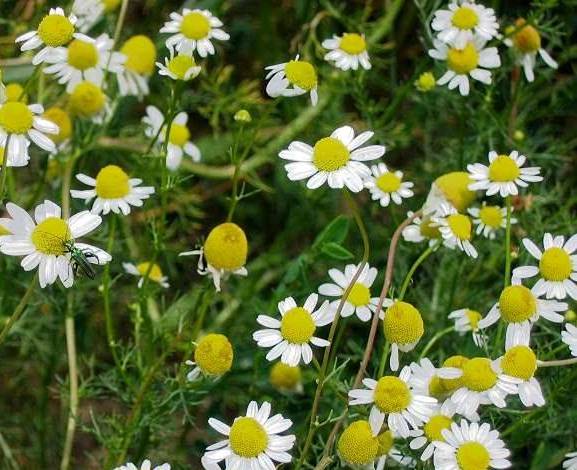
(432, 430)
(140, 53)
(14, 160)
(392, 398)
(451, 189)
(467, 320)
(286, 378)
(520, 307)
(428, 380)
(463, 21)
(293, 78)
(421, 229)
(88, 101)
(489, 219)
(470, 446)
(348, 51)
(252, 442)
(178, 138)
(557, 268)
(359, 300)
(403, 328)
(386, 185)
(114, 191)
(212, 357)
(89, 12)
(570, 462)
(21, 124)
(526, 42)
(45, 241)
(471, 60)
(55, 30)
(336, 160)
(291, 336)
(504, 175)
(179, 67)
(192, 31)
(456, 229)
(224, 252)
(143, 270)
(569, 337)
(146, 465)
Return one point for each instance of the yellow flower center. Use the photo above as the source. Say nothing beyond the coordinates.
(49, 236)
(555, 264)
(526, 39)
(503, 169)
(450, 385)
(460, 225)
(214, 354)
(179, 135)
(426, 82)
(357, 445)
(434, 427)
(87, 99)
(226, 247)
(473, 456)
(455, 187)
(285, 377)
(297, 326)
(55, 30)
(247, 437)
(330, 154)
(82, 55)
(112, 183)
(462, 61)
(359, 295)
(388, 182)
(153, 272)
(403, 324)
(478, 374)
(353, 43)
(61, 118)
(436, 387)
(519, 361)
(195, 25)
(428, 230)
(302, 74)
(110, 5)
(517, 304)
(15, 92)
(140, 54)
(491, 216)
(385, 440)
(392, 395)
(16, 118)
(465, 18)
(473, 317)
(181, 64)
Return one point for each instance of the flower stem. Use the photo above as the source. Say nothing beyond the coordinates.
(557, 363)
(508, 243)
(384, 356)
(237, 162)
(19, 309)
(433, 340)
(424, 255)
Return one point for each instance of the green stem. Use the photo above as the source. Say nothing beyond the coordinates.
(557, 363)
(434, 339)
(384, 356)
(237, 162)
(110, 335)
(508, 243)
(424, 255)
(19, 309)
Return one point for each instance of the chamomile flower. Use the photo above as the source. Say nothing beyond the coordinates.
(470, 446)
(526, 42)
(570, 462)
(489, 219)
(291, 336)
(348, 51)
(456, 229)
(192, 31)
(426, 379)
(557, 268)
(252, 442)
(140, 53)
(359, 300)
(61, 118)
(420, 230)
(21, 124)
(336, 160)
(385, 185)
(467, 320)
(89, 12)
(293, 78)
(403, 328)
(45, 241)
(85, 59)
(471, 60)
(55, 30)
(146, 465)
(520, 308)
(212, 357)
(14, 160)
(432, 430)
(88, 101)
(463, 21)
(504, 175)
(114, 191)
(178, 137)
(392, 398)
(286, 378)
(569, 337)
(179, 67)
(224, 252)
(451, 189)
(144, 270)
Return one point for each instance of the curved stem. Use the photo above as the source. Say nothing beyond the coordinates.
(424, 255)
(19, 309)
(557, 363)
(433, 340)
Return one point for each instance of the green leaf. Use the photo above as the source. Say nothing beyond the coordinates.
(335, 232)
(336, 251)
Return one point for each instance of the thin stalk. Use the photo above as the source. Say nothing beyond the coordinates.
(19, 309)
(507, 279)
(237, 162)
(110, 335)
(434, 339)
(557, 363)
(424, 255)
(384, 357)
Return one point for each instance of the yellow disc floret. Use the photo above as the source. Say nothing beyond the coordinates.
(450, 385)
(61, 118)
(403, 324)
(473, 316)
(465, 18)
(527, 39)
(213, 354)
(195, 25)
(463, 61)
(519, 361)
(353, 43)
(55, 30)
(154, 272)
(357, 445)
(301, 74)
(247, 437)
(82, 55)
(392, 395)
(517, 304)
(428, 230)
(426, 82)
(473, 456)
(434, 427)
(555, 264)
(297, 326)
(140, 54)
(385, 440)
(16, 118)
(179, 134)
(112, 183)
(330, 154)
(50, 236)
(491, 216)
(460, 225)
(436, 387)
(87, 100)
(478, 375)
(285, 377)
(180, 65)
(503, 169)
(455, 188)
(388, 182)
(226, 247)
(15, 92)
(359, 295)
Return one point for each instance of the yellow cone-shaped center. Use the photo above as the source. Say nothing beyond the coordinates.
(112, 183)
(555, 264)
(462, 61)
(195, 25)
(297, 326)
(302, 74)
(247, 437)
(51, 236)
